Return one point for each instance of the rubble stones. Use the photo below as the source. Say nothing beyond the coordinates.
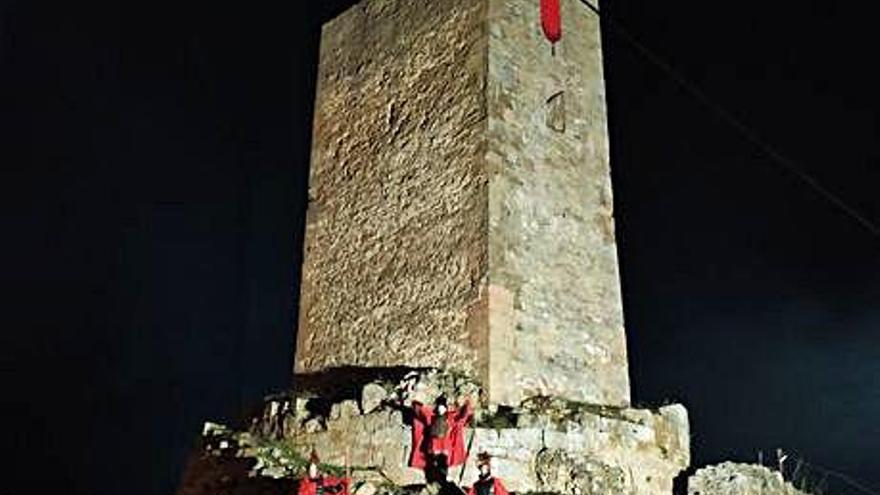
(313, 425)
(560, 472)
(592, 444)
(276, 472)
(426, 387)
(544, 444)
(372, 396)
(732, 478)
(300, 411)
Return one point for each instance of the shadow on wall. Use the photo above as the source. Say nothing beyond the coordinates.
(346, 382)
(680, 482)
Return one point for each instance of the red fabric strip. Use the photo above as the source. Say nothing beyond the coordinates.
(551, 20)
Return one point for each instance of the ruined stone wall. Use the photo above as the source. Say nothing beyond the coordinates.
(395, 252)
(544, 445)
(630, 452)
(731, 478)
(556, 318)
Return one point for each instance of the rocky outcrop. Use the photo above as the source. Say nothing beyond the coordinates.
(732, 478)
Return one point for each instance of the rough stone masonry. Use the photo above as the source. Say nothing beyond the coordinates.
(460, 205)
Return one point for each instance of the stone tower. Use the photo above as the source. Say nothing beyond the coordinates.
(460, 206)
(460, 219)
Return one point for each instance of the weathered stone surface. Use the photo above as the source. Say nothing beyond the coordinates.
(560, 472)
(378, 440)
(544, 444)
(556, 319)
(732, 478)
(540, 445)
(313, 426)
(372, 397)
(366, 488)
(426, 386)
(675, 434)
(345, 409)
(460, 209)
(591, 458)
(299, 409)
(396, 254)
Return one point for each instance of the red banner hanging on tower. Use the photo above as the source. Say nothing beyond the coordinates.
(551, 20)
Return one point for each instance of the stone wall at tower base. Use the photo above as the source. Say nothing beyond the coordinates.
(545, 444)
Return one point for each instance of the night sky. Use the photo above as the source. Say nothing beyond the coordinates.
(156, 158)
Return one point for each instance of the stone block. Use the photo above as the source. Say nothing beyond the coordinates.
(372, 396)
(344, 410)
(559, 472)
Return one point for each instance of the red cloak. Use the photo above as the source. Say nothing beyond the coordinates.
(330, 485)
(497, 488)
(453, 443)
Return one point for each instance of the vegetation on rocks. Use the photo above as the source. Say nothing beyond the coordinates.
(274, 458)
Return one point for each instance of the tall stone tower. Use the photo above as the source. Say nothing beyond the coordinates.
(460, 219)
(460, 205)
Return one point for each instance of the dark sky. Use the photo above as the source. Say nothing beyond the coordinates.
(157, 155)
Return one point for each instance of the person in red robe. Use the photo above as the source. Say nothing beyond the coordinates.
(315, 483)
(486, 484)
(438, 437)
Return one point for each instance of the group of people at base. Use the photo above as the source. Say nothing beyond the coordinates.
(437, 444)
